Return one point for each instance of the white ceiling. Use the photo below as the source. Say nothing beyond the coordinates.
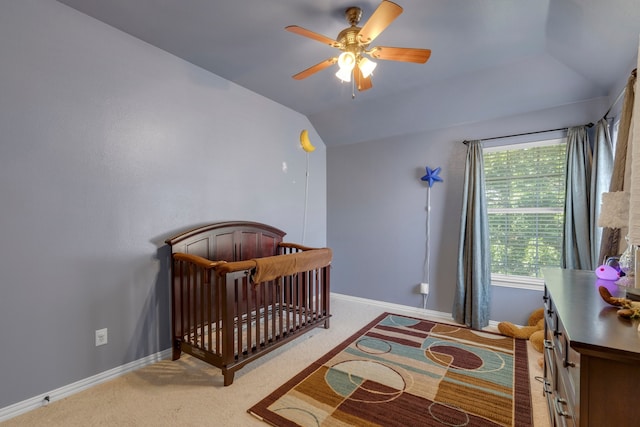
(490, 58)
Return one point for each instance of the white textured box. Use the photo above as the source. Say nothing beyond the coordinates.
(424, 288)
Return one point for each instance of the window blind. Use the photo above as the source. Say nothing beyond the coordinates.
(525, 201)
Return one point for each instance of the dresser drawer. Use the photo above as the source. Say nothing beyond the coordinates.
(550, 368)
(568, 359)
(550, 395)
(562, 406)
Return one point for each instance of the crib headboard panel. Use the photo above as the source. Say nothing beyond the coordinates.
(229, 241)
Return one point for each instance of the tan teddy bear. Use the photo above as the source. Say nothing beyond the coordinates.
(629, 309)
(534, 331)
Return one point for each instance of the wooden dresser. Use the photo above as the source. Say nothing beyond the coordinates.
(591, 356)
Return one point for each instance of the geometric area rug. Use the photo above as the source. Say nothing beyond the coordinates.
(403, 371)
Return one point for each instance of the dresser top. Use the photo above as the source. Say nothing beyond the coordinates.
(591, 324)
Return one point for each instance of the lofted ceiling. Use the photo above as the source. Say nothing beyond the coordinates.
(490, 58)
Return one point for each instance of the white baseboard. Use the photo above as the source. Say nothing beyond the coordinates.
(391, 306)
(65, 391)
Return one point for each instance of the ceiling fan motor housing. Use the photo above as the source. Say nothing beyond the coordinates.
(348, 38)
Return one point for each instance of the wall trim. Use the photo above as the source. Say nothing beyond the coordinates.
(418, 311)
(65, 391)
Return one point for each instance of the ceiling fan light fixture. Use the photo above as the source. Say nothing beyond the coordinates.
(344, 74)
(366, 67)
(346, 61)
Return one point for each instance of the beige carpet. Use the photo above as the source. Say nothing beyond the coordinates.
(189, 392)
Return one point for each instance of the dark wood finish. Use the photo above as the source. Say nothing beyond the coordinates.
(220, 315)
(591, 356)
(229, 241)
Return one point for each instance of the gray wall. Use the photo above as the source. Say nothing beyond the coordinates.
(107, 147)
(377, 211)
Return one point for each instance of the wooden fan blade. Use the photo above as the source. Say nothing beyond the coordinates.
(404, 54)
(310, 34)
(315, 68)
(384, 15)
(362, 83)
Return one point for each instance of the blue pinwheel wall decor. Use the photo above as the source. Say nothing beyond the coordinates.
(432, 176)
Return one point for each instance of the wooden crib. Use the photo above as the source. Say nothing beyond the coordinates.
(239, 292)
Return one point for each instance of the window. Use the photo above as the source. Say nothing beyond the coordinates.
(525, 201)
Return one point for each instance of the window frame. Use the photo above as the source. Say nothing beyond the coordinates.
(513, 281)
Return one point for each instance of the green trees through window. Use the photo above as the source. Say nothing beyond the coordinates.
(525, 200)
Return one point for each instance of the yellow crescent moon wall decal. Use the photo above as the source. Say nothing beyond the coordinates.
(304, 141)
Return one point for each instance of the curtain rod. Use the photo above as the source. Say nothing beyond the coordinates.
(523, 134)
(634, 73)
(622, 92)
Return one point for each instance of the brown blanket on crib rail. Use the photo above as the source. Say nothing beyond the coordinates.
(269, 268)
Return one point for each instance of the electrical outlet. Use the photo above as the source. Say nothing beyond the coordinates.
(424, 288)
(101, 337)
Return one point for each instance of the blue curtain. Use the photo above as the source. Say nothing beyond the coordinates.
(601, 171)
(576, 243)
(471, 300)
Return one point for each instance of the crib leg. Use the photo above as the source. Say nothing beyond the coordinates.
(326, 324)
(177, 351)
(228, 377)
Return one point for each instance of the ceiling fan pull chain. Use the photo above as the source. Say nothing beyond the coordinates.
(353, 88)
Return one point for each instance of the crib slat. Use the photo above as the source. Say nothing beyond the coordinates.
(264, 287)
(299, 299)
(275, 299)
(285, 305)
(209, 316)
(193, 321)
(275, 308)
(314, 300)
(294, 303)
(318, 295)
(189, 323)
(287, 302)
(303, 299)
(201, 285)
(309, 299)
(326, 301)
(262, 314)
(261, 334)
(255, 314)
(229, 296)
(218, 310)
(237, 315)
(251, 297)
(185, 302)
(308, 295)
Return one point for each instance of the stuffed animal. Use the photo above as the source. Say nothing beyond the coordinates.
(628, 309)
(534, 331)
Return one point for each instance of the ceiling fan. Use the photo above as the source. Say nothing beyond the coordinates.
(354, 43)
